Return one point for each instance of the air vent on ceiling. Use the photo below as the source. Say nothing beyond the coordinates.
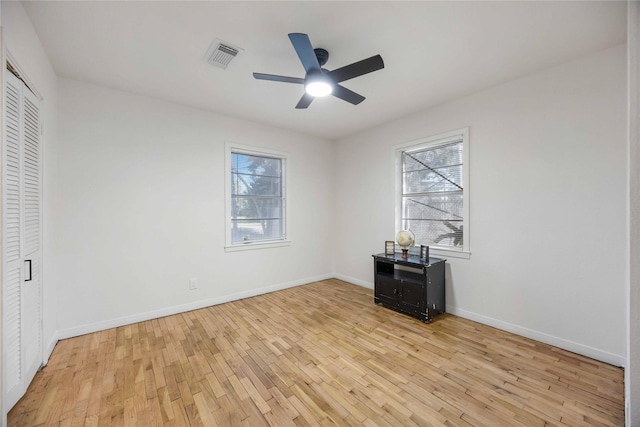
(221, 53)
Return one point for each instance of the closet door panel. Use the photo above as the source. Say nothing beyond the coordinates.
(11, 241)
(31, 298)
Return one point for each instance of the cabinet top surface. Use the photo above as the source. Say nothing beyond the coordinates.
(410, 260)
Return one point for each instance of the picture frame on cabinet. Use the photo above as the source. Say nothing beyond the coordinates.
(389, 247)
(424, 252)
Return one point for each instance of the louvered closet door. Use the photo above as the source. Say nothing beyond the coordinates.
(31, 287)
(22, 309)
(11, 240)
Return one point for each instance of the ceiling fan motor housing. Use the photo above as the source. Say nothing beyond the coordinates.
(322, 55)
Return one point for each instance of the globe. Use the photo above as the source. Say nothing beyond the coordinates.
(405, 238)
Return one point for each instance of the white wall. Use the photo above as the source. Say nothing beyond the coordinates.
(24, 48)
(140, 209)
(548, 203)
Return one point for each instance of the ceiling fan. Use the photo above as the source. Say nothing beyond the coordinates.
(320, 82)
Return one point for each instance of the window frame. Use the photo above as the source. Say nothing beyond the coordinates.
(230, 246)
(431, 142)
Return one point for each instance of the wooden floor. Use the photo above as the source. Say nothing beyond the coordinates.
(320, 354)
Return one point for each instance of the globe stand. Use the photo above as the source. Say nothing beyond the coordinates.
(405, 239)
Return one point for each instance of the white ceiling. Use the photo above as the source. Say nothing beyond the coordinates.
(433, 51)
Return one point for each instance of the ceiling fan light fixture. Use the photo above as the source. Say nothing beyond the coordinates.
(318, 86)
(319, 81)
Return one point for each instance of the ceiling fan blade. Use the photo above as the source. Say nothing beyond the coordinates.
(356, 69)
(304, 101)
(302, 45)
(275, 78)
(347, 95)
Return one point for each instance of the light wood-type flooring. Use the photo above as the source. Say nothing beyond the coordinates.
(319, 354)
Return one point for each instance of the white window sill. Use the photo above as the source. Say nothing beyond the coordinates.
(448, 253)
(256, 245)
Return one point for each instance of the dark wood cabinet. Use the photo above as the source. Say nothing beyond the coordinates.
(410, 285)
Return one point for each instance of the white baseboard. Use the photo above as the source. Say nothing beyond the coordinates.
(594, 353)
(168, 311)
(52, 343)
(353, 281)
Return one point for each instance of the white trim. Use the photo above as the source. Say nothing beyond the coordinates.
(354, 281)
(229, 148)
(594, 353)
(440, 139)
(586, 351)
(257, 245)
(253, 150)
(433, 141)
(49, 348)
(10, 58)
(176, 309)
(632, 371)
(3, 61)
(448, 253)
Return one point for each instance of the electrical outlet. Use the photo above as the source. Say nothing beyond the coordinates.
(193, 283)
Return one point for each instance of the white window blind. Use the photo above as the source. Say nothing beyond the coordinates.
(432, 198)
(257, 198)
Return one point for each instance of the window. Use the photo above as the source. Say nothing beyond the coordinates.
(433, 193)
(256, 201)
